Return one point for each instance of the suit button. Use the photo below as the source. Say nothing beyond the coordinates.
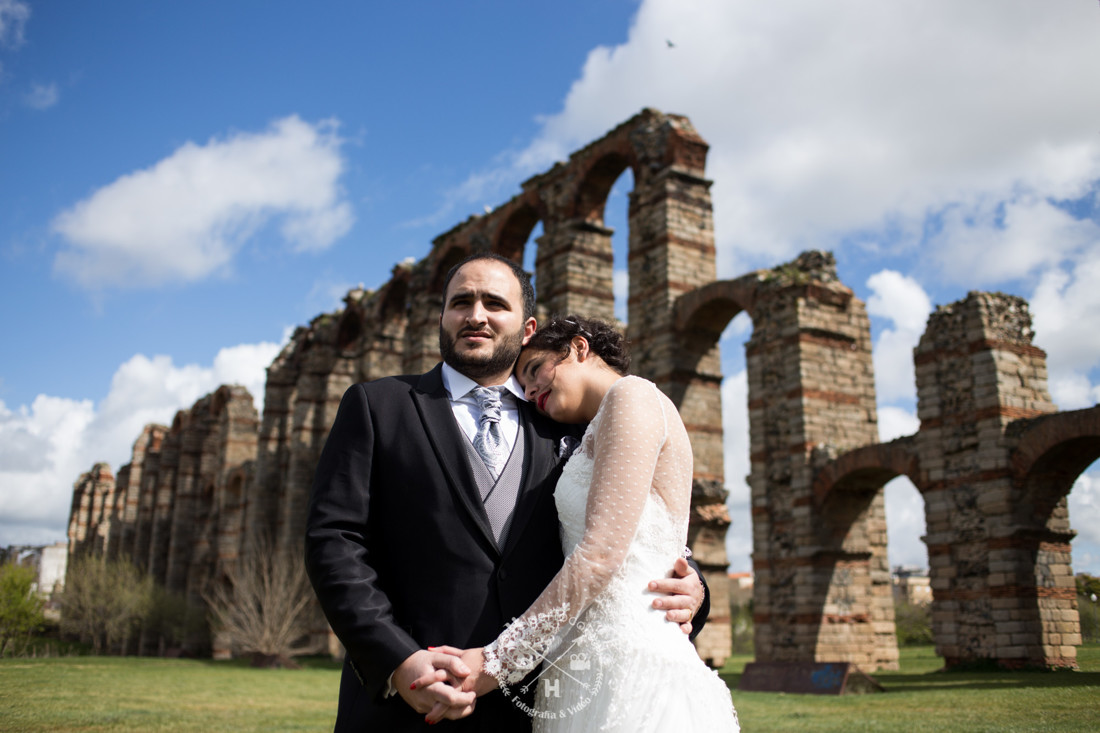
(503, 574)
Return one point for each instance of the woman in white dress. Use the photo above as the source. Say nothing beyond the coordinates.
(610, 660)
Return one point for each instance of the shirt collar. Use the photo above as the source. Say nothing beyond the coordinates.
(458, 384)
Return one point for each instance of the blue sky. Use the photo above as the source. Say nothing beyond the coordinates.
(183, 183)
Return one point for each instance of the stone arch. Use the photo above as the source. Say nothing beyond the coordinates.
(711, 307)
(519, 220)
(867, 469)
(596, 183)
(448, 256)
(349, 331)
(1051, 453)
(849, 493)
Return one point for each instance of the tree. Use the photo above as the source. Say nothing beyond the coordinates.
(20, 606)
(1088, 592)
(104, 601)
(177, 621)
(913, 622)
(263, 604)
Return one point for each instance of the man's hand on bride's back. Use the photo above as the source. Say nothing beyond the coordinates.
(683, 594)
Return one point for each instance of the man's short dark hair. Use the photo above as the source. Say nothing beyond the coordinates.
(526, 289)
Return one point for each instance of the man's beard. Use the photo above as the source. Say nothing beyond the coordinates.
(476, 366)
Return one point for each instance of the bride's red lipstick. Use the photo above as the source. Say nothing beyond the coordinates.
(542, 401)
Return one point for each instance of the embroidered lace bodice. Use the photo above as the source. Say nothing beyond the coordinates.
(623, 501)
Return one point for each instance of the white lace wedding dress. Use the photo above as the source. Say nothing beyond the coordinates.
(610, 661)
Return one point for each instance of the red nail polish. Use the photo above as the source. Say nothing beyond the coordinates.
(412, 686)
(431, 648)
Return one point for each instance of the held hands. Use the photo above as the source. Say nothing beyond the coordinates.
(429, 680)
(684, 594)
(448, 682)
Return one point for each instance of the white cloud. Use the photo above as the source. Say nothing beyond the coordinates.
(905, 524)
(13, 18)
(1064, 308)
(1084, 516)
(895, 422)
(620, 283)
(45, 447)
(826, 119)
(185, 218)
(1072, 391)
(1001, 240)
(901, 300)
(1084, 506)
(42, 96)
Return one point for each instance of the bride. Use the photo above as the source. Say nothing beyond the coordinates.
(610, 661)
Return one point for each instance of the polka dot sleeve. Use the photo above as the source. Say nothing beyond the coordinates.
(626, 440)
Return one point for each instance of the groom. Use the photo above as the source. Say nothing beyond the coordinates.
(431, 525)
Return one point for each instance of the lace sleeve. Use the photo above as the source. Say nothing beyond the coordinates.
(627, 437)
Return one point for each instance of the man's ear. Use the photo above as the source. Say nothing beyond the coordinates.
(529, 328)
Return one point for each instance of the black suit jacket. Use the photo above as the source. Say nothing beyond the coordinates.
(400, 551)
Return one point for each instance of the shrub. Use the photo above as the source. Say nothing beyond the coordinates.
(1088, 610)
(20, 607)
(741, 628)
(263, 605)
(104, 601)
(914, 623)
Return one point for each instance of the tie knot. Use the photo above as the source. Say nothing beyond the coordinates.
(488, 399)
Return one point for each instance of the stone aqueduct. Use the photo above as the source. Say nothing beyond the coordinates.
(993, 459)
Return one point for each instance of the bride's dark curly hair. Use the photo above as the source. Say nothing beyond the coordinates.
(603, 338)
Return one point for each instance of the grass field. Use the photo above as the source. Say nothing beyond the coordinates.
(144, 694)
(919, 698)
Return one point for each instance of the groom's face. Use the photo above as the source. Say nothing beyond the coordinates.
(482, 328)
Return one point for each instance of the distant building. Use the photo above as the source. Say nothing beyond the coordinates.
(49, 563)
(911, 585)
(740, 589)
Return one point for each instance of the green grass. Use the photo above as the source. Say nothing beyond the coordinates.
(143, 694)
(919, 697)
(151, 694)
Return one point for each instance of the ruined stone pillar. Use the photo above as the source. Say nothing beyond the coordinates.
(88, 523)
(164, 493)
(996, 583)
(822, 585)
(671, 252)
(191, 477)
(573, 269)
(422, 336)
(119, 529)
(145, 451)
(145, 481)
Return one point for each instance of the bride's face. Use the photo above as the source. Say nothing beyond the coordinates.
(552, 383)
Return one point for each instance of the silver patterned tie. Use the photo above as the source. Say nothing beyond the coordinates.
(489, 443)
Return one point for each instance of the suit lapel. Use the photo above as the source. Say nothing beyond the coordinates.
(434, 406)
(540, 462)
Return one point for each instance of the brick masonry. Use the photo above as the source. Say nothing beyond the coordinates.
(992, 459)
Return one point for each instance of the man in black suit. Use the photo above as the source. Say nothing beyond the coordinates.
(413, 541)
